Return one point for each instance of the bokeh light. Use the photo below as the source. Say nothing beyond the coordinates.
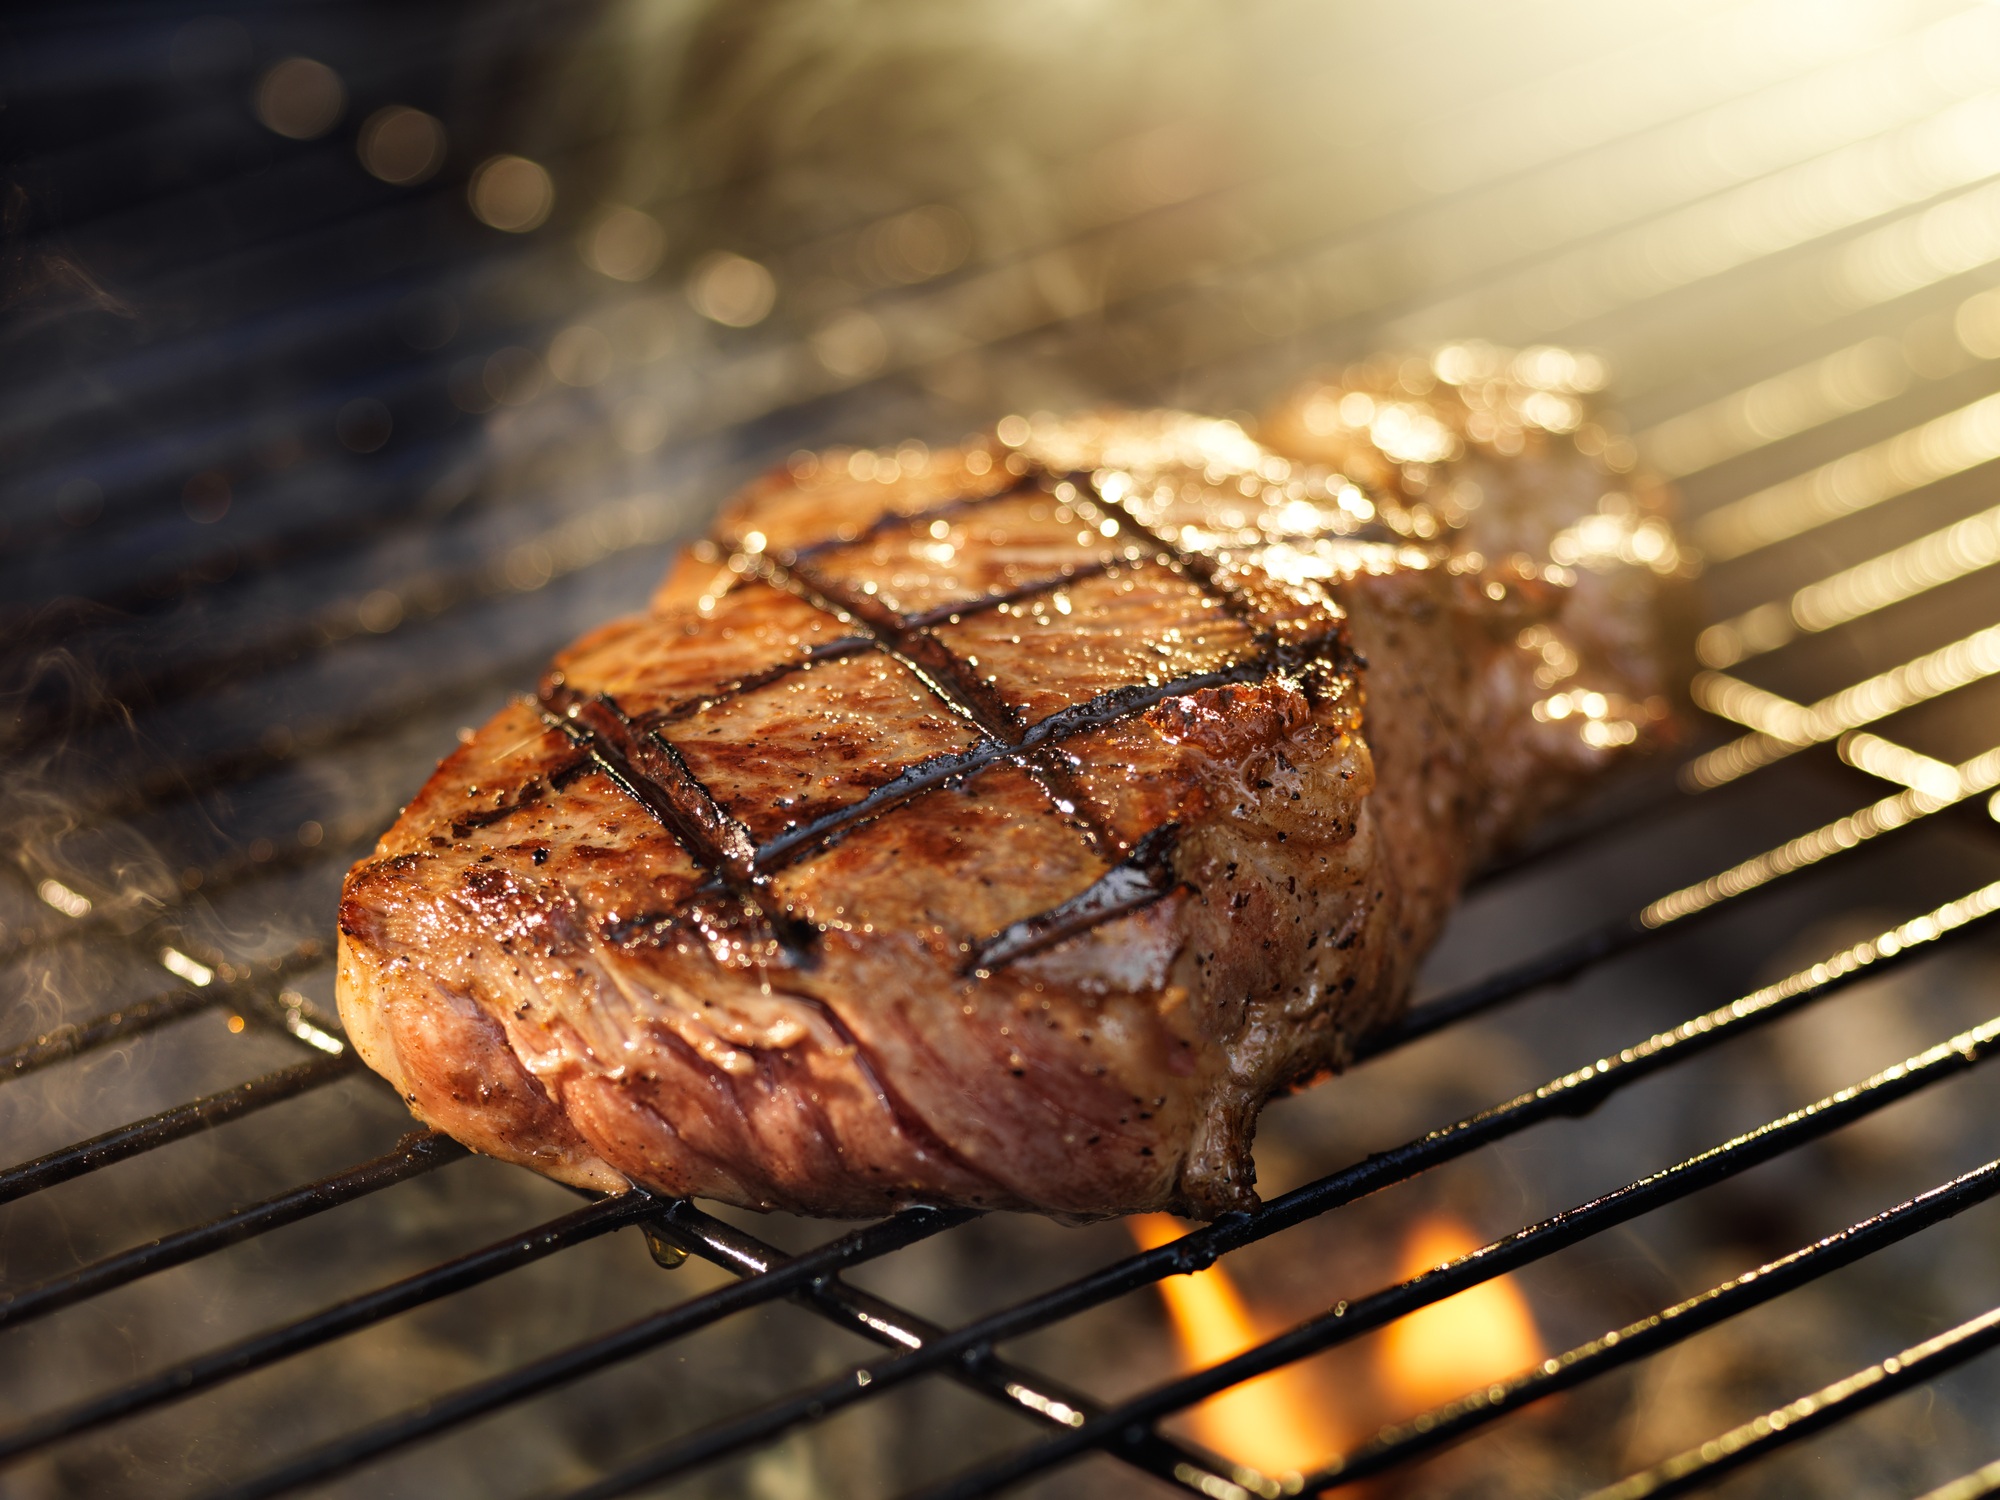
(300, 98)
(624, 244)
(580, 355)
(731, 290)
(511, 193)
(402, 145)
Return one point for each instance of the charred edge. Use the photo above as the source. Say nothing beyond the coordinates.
(1139, 880)
(566, 774)
(1100, 712)
(912, 782)
(530, 795)
(957, 505)
(651, 772)
(1071, 799)
(646, 928)
(657, 776)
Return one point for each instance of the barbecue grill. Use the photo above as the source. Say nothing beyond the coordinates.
(316, 451)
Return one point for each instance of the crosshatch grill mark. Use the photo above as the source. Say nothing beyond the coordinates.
(644, 765)
(955, 683)
(650, 771)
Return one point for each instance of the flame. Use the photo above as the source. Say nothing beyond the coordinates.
(1273, 1423)
(1462, 1343)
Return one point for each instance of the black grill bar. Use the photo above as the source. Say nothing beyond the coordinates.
(1975, 1486)
(359, 1312)
(78, 1037)
(419, 1152)
(1026, 1392)
(172, 1125)
(1423, 1434)
(1551, 966)
(184, 780)
(1349, 1320)
(1568, 959)
(340, 1457)
(421, 597)
(1834, 1403)
(127, 1021)
(1653, 798)
(1573, 1094)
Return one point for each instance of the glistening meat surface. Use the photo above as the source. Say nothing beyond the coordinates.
(1005, 827)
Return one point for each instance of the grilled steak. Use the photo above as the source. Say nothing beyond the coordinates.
(1004, 826)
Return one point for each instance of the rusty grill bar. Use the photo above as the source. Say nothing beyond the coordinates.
(1070, 1423)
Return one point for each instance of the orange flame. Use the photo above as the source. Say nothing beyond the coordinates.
(1272, 1423)
(1462, 1343)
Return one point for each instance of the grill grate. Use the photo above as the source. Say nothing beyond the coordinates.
(284, 668)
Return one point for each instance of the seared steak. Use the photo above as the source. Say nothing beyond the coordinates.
(1004, 826)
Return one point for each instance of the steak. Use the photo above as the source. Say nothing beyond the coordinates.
(1003, 826)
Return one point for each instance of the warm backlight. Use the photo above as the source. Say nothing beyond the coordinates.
(1271, 1423)
(1462, 1343)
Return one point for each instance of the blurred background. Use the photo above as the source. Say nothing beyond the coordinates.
(357, 356)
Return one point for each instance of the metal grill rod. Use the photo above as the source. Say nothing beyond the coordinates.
(1158, 302)
(715, 1240)
(1558, 963)
(1807, 1415)
(1688, 35)
(1573, 1094)
(345, 1454)
(183, 1107)
(1781, 727)
(1722, 429)
(1974, 1486)
(1409, 1440)
(419, 1152)
(327, 1325)
(174, 1124)
(1347, 1321)
(253, 1353)
(1025, 1392)
(1674, 911)
(183, 781)
(77, 1037)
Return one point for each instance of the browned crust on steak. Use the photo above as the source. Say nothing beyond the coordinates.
(1004, 833)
